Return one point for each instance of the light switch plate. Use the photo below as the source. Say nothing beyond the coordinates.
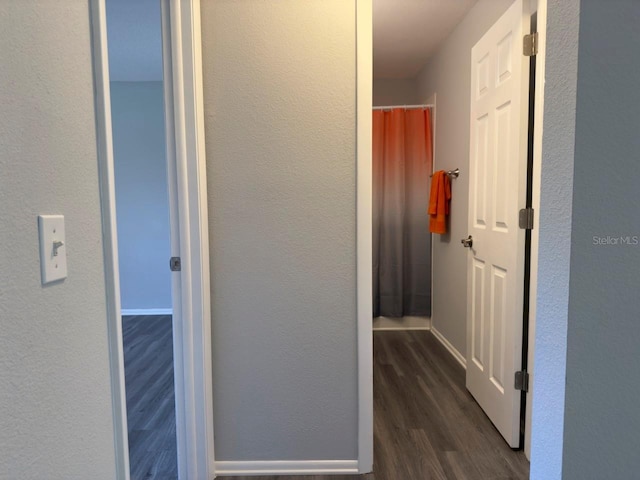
(53, 248)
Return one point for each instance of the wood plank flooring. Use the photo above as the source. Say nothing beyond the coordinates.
(427, 426)
(148, 365)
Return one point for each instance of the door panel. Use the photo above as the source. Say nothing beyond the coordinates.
(498, 129)
(477, 314)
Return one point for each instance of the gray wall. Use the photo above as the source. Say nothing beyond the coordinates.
(279, 91)
(603, 386)
(395, 92)
(142, 202)
(448, 74)
(55, 396)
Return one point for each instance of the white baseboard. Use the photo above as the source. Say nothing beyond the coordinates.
(296, 467)
(453, 350)
(403, 323)
(147, 311)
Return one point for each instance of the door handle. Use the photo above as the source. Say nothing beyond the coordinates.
(467, 242)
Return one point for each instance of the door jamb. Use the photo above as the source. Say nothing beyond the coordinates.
(174, 222)
(364, 219)
(104, 143)
(188, 107)
(541, 26)
(196, 412)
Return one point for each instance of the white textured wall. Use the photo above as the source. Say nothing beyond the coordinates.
(554, 232)
(55, 398)
(448, 75)
(388, 91)
(602, 418)
(279, 91)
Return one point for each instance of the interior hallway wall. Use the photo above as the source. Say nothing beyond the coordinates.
(142, 202)
(280, 98)
(55, 395)
(390, 91)
(602, 384)
(448, 75)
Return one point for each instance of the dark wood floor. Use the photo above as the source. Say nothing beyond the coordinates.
(148, 365)
(427, 426)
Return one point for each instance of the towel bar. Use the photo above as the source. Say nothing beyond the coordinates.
(451, 173)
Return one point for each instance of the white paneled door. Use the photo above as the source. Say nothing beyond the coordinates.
(497, 183)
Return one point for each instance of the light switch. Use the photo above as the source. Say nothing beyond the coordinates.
(53, 248)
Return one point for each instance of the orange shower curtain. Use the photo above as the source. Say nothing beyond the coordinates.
(402, 163)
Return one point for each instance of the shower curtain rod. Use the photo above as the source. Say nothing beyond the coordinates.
(409, 107)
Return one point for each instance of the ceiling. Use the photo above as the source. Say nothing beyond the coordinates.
(135, 40)
(407, 32)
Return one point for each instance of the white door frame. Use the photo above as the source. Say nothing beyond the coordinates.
(539, 7)
(364, 76)
(194, 408)
(364, 225)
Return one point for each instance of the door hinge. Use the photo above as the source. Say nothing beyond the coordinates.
(530, 44)
(525, 219)
(522, 381)
(174, 264)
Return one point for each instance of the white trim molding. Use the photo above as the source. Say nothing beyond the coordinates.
(146, 311)
(535, 233)
(449, 346)
(174, 222)
(295, 467)
(364, 245)
(194, 404)
(104, 139)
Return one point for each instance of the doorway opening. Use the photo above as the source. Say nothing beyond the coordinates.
(134, 33)
(185, 165)
(475, 298)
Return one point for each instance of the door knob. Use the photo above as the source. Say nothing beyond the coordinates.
(467, 242)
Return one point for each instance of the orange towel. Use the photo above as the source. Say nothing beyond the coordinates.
(439, 202)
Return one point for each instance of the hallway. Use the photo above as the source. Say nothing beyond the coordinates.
(427, 426)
